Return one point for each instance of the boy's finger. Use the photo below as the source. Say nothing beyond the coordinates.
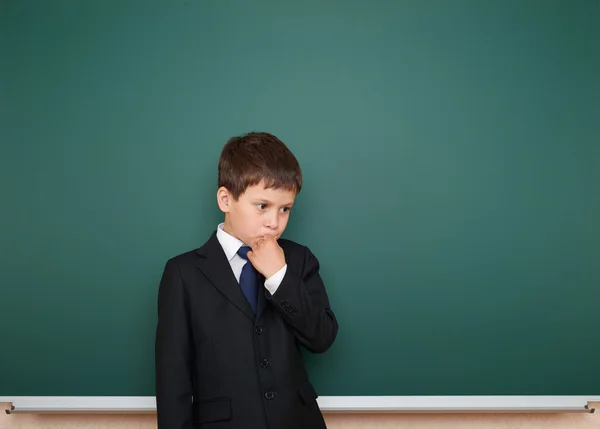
(258, 241)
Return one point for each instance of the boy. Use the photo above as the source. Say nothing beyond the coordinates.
(233, 314)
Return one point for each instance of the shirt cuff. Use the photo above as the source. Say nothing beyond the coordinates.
(273, 282)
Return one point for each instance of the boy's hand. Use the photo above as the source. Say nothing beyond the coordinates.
(266, 256)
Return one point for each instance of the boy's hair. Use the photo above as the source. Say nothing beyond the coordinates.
(248, 159)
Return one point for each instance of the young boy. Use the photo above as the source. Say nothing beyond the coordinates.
(233, 314)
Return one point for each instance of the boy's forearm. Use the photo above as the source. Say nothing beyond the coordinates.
(303, 303)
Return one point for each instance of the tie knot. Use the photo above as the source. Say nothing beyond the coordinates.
(243, 252)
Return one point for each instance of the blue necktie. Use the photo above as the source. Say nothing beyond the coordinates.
(249, 279)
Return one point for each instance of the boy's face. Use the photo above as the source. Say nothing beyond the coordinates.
(257, 213)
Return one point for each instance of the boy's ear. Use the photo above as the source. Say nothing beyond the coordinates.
(224, 199)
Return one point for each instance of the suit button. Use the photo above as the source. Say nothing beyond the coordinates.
(258, 330)
(269, 395)
(264, 363)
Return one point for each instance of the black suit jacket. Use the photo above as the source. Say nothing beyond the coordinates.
(218, 365)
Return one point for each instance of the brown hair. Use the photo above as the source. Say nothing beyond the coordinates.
(248, 159)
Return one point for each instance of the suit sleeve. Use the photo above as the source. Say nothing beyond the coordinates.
(303, 303)
(173, 353)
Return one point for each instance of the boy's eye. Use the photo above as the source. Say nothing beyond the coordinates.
(285, 209)
(262, 206)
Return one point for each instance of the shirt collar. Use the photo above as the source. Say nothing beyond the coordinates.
(228, 242)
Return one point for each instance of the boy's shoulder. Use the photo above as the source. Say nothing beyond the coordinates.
(184, 259)
(291, 245)
(301, 254)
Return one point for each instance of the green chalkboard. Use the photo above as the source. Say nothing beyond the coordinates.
(451, 153)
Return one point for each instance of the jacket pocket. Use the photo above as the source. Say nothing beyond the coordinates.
(307, 392)
(212, 410)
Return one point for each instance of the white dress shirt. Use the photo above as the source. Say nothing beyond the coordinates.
(230, 246)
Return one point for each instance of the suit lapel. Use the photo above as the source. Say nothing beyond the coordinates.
(262, 300)
(214, 264)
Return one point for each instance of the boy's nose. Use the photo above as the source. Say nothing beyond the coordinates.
(272, 221)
